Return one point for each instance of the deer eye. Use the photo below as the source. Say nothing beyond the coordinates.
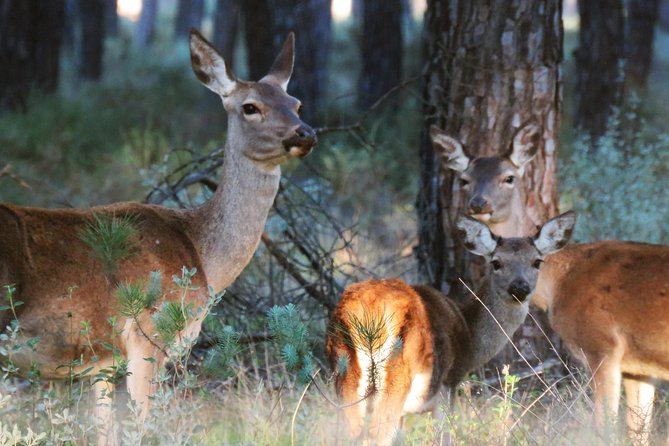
(464, 182)
(510, 179)
(250, 109)
(496, 265)
(537, 263)
(300, 109)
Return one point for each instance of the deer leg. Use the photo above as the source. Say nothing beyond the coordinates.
(640, 396)
(103, 412)
(141, 379)
(607, 378)
(389, 404)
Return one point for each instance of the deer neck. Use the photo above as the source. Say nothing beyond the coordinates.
(519, 224)
(231, 223)
(487, 328)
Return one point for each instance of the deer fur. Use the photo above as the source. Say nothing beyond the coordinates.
(439, 341)
(42, 254)
(607, 300)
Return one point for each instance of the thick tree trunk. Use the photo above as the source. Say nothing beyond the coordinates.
(258, 29)
(491, 67)
(145, 29)
(92, 14)
(311, 21)
(641, 18)
(189, 15)
(31, 33)
(381, 49)
(599, 56)
(226, 25)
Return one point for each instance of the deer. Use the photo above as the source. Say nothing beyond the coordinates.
(424, 343)
(42, 253)
(606, 300)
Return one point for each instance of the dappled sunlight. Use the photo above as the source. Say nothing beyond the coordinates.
(129, 9)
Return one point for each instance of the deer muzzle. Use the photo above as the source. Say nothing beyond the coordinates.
(519, 289)
(301, 142)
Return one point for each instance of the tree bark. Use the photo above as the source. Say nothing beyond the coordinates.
(256, 15)
(226, 25)
(145, 28)
(31, 33)
(92, 14)
(491, 67)
(641, 18)
(189, 15)
(599, 56)
(381, 49)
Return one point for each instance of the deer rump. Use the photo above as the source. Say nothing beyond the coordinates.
(422, 338)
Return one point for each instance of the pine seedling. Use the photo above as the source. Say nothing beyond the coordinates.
(226, 348)
(170, 320)
(110, 238)
(291, 336)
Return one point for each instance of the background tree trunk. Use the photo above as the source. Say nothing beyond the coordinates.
(92, 14)
(111, 18)
(311, 20)
(599, 81)
(226, 25)
(381, 49)
(31, 33)
(145, 29)
(189, 14)
(491, 67)
(258, 32)
(641, 18)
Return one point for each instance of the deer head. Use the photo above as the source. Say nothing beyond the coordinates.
(515, 262)
(490, 184)
(263, 119)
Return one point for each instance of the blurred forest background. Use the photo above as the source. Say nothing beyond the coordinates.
(98, 104)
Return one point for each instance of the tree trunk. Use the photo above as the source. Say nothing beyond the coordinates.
(31, 32)
(381, 49)
(268, 22)
(226, 25)
(641, 18)
(92, 13)
(111, 18)
(491, 67)
(189, 15)
(311, 21)
(599, 76)
(258, 35)
(145, 29)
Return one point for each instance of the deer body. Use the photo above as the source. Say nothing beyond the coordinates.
(607, 300)
(61, 282)
(440, 341)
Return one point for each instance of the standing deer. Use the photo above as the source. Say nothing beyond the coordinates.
(43, 255)
(608, 300)
(395, 348)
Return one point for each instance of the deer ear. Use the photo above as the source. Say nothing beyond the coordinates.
(282, 68)
(209, 66)
(524, 145)
(476, 236)
(556, 233)
(449, 150)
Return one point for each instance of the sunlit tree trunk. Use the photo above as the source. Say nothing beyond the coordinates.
(599, 58)
(641, 18)
(31, 32)
(381, 49)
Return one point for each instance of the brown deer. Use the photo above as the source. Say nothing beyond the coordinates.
(608, 300)
(43, 255)
(395, 348)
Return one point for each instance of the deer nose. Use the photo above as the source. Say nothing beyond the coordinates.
(477, 204)
(304, 138)
(520, 289)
